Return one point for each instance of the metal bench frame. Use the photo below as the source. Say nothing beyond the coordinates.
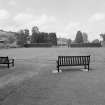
(73, 61)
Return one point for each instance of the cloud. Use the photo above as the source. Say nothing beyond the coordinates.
(12, 3)
(43, 19)
(4, 14)
(23, 18)
(28, 20)
(69, 30)
(72, 25)
(97, 17)
(30, 10)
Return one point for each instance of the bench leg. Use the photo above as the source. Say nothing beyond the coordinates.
(58, 68)
(85, 67)
(88, 67)
(8, 65)
(13, 64)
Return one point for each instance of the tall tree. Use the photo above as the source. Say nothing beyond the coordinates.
(85, 37)
(11, 39)
(96, 41)
(26, 31)
(35, 35)
(21, 38)
(103, 36)
(35, 29)
(53, 38)
(79, 37)
(43, 37)
(69, 42)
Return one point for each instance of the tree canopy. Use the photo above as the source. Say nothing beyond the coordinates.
(22, 36)
(79, 37)
(103, 36)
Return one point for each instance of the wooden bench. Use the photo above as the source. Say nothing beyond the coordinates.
(73, 61)
(6, 60)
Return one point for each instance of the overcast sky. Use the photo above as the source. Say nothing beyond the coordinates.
(64, 17)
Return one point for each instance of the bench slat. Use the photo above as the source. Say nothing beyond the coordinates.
(73, 60)
(77, 60)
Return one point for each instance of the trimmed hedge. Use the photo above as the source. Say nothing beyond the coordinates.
(86, 45)
(38, 45)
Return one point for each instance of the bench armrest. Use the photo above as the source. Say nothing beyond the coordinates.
(11, 60)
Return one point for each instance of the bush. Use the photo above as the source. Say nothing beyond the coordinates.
(86, 45)
(38, 45)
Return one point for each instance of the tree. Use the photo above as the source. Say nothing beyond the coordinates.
(11, 39)
(35, 35)
(26, 32)
(34, 38)
(96, 41)
(35, 29)
(103, 36)
(21, 38)
(43, 37)
(79, 37)
(53, 38)
(85, 37)
(69, 42)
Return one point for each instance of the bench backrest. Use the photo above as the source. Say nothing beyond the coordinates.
(73, 60)
(4, 60)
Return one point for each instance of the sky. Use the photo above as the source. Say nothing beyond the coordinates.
(65, 17)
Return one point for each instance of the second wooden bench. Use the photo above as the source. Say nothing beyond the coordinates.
(6, 60)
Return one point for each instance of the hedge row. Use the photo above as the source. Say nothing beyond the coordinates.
(86, 45)
(38, 45)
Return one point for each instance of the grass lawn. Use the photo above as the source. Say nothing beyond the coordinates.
(31, 81)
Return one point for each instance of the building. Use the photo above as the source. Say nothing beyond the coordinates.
(62, 42)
